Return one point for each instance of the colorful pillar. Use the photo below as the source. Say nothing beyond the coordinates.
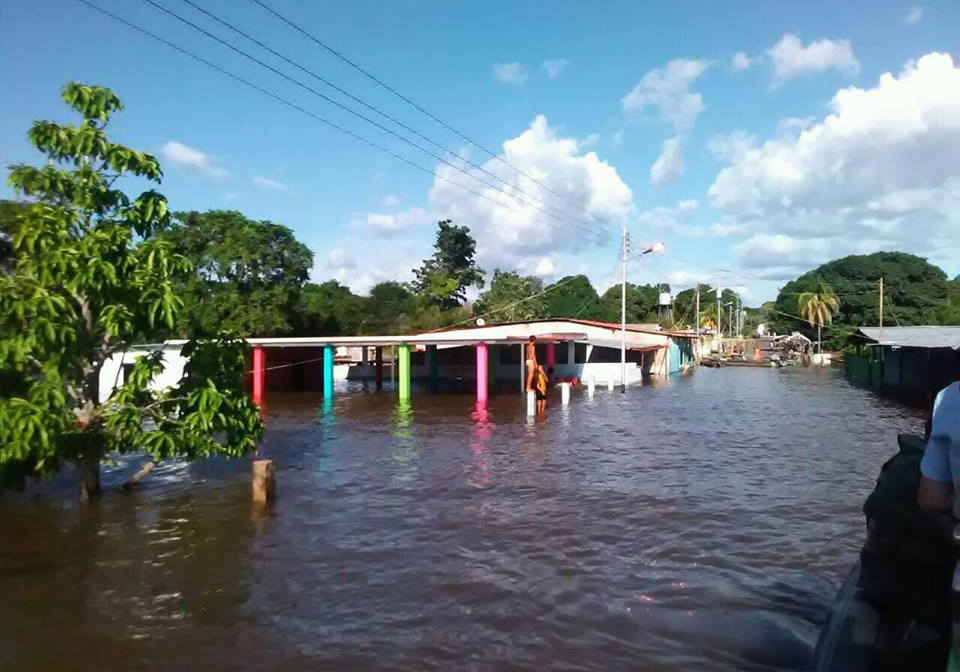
(551, 355)
(259, 372)
(328, 361)
(434, 366)
(482, 364)
(378, 368)
(403, 374)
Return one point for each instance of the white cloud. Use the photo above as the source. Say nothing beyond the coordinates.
(673, 218)
(914, 15)
(668, 167)
(338, 258)
(730, 146)
(546, 267)
(510, 73)
(879, 172)
(390, 201)
(512, 232)
(667, 90)
(556, 67)
(740, 62)
(267, 183)
(391, 224)
(184, 155)
(590, 141)
(792, 59)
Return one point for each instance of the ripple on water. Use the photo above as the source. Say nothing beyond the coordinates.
(698, 524)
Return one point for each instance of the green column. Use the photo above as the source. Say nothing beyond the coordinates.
(403, 374)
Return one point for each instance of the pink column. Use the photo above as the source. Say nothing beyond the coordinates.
(258, 374)
(481, 373)
(551, 355)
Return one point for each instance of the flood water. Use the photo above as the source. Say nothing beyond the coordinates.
(702, 523)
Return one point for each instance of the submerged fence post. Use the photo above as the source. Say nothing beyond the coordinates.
(403, 382)
(591, 384)
(610, 385)
(531, 403)
(565, 393)
(258, 374)
(328, 361)
(264, 481)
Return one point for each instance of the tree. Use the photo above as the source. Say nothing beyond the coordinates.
(574, 297)
(249, 274)
(641, 304)
(818, 307)
(390, 308)
(90, 278)
(10, 212)
(512, 298)
(444, 277)
(915, 292)
(328, 309)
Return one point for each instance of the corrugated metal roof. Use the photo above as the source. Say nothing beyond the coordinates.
(915, 337)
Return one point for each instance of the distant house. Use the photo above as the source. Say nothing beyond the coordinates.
(910, 363)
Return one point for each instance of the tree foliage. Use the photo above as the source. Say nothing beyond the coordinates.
(818, 307)
(90, 277)
(249, 274)
(641, 304)
(512, 298)
(574, 297)
(915, 292)
(443, 278)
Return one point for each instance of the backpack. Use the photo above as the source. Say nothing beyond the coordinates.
(907, 563)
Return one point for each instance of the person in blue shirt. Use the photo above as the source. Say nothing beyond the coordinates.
(940, 467)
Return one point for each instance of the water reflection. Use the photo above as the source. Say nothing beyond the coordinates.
(695, 526)
(405, 453)
(478, 469)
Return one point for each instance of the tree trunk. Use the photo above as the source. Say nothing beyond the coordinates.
(88, 468)
(137, 477)
(819, 345)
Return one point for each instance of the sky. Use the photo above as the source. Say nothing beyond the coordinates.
(755, 140)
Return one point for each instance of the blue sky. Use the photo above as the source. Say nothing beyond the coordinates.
(706, 126)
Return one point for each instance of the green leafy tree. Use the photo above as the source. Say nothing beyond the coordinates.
(818, 308)
(10, 212)
(443, 278)
(641, 304)
(512, 298)
(329, 309)
(915, 292)
(91, 277)
(391, 309)
(249, 274)
(573, 296)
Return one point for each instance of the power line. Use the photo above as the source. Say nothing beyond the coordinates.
(407, 100)
(373, 108)
(292, 105)
(355, 113)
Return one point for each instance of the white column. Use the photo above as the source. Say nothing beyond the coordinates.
(565, 393)
(531, 404)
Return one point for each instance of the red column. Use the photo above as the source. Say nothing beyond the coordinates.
(551, 355)
(378, 369)
(259, 361)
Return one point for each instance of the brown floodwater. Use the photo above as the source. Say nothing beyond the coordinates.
(700, 523)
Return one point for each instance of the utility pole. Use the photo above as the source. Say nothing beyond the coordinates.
(881, 307)
(719, 315)
(697, 323)
(623, 313)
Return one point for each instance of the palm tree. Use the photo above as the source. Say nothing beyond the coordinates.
(818, 307)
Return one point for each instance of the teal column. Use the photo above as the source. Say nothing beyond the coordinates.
(434, 366)
(328, 371)
(403, 374)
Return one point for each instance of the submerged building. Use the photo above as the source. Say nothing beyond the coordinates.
(488, 357)
(910, 363)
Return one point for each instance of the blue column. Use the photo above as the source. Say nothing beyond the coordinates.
(328, 371)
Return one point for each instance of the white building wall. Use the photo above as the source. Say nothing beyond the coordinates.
(111, 373)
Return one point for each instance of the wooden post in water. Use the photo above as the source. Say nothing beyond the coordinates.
(264, 481)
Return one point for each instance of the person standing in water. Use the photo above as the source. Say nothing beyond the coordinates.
(531, 357)
(540, 389)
